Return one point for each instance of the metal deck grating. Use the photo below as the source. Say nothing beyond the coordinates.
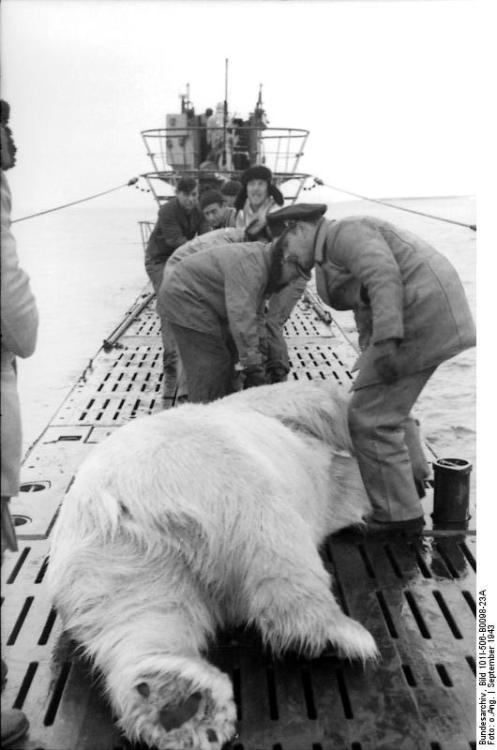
(418, 599)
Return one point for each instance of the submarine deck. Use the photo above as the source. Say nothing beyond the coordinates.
(417, 597)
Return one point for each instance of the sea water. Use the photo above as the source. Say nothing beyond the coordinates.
(86, 268)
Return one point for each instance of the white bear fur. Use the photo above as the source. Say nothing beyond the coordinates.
(202, 517)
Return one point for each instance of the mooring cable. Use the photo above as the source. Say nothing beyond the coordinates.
(133, 181)
(320, 182)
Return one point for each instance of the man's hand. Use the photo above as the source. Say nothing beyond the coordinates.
(254, 376)
(277, 374)
(385, 359)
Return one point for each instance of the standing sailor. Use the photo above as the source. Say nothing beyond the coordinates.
(178, 221)
(411, 314)
(19, 333)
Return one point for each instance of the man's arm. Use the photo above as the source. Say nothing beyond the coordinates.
(170, 226)
(245, 280)
(363, 251)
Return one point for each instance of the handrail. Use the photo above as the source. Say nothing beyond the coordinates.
(187, 146)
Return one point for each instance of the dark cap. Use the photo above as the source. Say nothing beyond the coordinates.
(210, 197)
(4, 112)
(231, 187)
(186, 185)
(280, 219)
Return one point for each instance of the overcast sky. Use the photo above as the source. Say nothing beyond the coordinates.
(386, 88)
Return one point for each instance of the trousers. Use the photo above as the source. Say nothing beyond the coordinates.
(379, 416)
(170, 351)
(208, 361)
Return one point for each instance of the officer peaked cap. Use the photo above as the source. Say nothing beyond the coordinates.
(280, 219)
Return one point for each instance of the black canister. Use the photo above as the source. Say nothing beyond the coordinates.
(451, 493)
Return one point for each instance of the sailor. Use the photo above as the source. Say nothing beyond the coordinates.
(411, 314)
(258, 195)
(214, 300)
(179, 220)
(19, 333)
(216, 213)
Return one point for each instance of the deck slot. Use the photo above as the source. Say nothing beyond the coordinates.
(68, 438)
(57, 695)
(386, 614)
(472, 663)
(52, 522)
(423, 628)
(25, 685)
(447, 614)
(237, 692)
(468, 554)
(342, 687)
(448, 562)
(444, 675)
(410, 679)
(17, 567)
(393, 562)
(271, 690)
(48, 627)
(367, 562)
(308, 694)
(43, 569)
(425, 571)
(471, 602)
(34, 486)
(20, 620)
(341, 593)
(336, 582)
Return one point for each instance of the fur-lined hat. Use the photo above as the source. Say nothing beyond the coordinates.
(258, 172)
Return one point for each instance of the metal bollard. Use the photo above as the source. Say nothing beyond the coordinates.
(451, 493)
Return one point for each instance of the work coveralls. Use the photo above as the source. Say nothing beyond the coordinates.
(399, 288)
(173, 228)
(214, 300)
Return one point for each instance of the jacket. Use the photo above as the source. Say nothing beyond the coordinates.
(399, 287)
(19, 330)
(216, 237)
(222, 286)
(246, 215)
(174, 227)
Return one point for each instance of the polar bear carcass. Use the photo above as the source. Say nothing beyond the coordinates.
(198, 518)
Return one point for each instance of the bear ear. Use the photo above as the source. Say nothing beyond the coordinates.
(172, 717)
(143, 689)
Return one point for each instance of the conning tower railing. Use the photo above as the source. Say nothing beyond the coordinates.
(232, 149)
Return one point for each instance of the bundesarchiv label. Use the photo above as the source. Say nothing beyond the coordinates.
(486, 674)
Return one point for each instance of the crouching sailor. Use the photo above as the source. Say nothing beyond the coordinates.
(214, 300)
(411, 314)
